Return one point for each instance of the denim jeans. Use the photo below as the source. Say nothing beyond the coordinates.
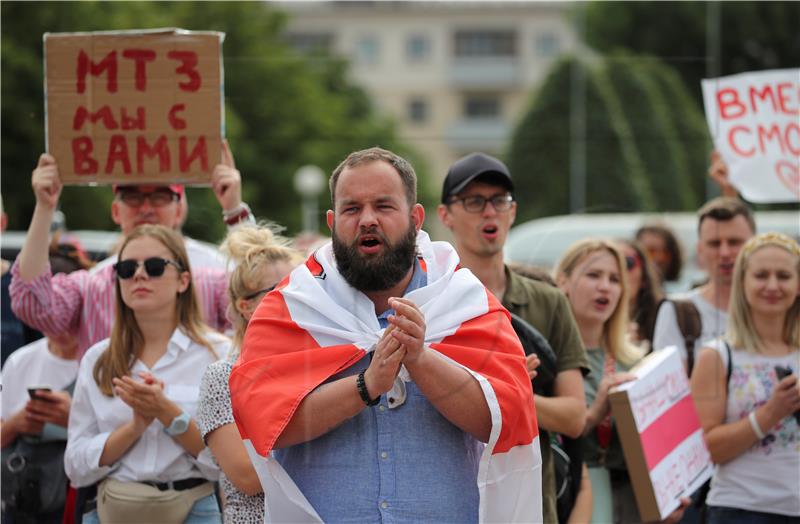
(204, 511)
(721, 515)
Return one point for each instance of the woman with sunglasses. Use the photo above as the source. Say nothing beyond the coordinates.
(262, 260)
(746, 389)
(132, 426)
(644, 293)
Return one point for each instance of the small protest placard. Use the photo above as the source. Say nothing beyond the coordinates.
(660, 434)
(754, 119)
(134, 107)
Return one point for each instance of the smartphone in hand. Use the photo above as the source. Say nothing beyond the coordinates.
(32, 392)
(782, 373)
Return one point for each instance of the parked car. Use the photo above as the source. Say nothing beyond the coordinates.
(541, 242)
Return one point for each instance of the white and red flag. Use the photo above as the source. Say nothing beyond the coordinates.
(315, 325)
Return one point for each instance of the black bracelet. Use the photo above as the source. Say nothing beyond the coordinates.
(362, 391)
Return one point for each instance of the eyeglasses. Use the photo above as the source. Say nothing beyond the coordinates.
(157, 198)
(632, 262)
(260, 292)
(477, 203)
(153, 266)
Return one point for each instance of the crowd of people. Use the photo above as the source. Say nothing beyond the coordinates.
(382, 376)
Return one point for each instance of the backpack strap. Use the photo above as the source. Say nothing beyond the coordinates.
(690, 325)
(729, 371)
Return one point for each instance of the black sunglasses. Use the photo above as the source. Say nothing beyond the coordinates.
(251, 296)
(631, 262)
(153, 266)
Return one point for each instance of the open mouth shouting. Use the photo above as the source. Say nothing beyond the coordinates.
(370, 244)
(602, 303)
(490, 231)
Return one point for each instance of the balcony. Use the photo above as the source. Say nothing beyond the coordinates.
(484, 72)
(478, 134)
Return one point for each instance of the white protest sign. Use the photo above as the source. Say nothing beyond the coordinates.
(661, 435)
(754, 119)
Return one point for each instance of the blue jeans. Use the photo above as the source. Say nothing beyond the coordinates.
(204, 511)
(721, 515)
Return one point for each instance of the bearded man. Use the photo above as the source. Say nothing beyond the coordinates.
(380, 382)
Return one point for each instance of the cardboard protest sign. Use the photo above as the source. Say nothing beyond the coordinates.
(134, 107)
(660, 434)
(754, 120)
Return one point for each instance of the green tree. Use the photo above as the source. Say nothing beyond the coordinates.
(282, 110)
(751, 35)
(645, 140)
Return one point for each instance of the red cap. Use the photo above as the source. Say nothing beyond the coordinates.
(175, 188)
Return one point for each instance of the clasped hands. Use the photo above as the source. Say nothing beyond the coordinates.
(146, 398)
(402, 343)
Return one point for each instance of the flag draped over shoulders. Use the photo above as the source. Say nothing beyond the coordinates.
(315, 325)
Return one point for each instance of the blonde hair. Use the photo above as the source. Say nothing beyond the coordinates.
(615, 329)
(252, 247)
(127, 340)
(741, 332)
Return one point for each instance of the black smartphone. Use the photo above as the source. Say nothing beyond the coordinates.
(33, 389)
(783, 372)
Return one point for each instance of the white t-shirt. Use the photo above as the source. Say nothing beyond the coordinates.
(33, 365)
(766, 477)
(667, 333)
(155, 456)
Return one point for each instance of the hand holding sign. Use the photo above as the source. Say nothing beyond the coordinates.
(753, 118)
(46, 182)
(226, 181)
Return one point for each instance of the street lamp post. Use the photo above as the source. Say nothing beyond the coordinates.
(309, 181)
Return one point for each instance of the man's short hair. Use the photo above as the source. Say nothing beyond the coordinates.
(377, 154)
(724, 209)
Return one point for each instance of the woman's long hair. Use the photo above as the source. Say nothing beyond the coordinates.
(741, 331)
(252, 248)
(615, 328)
(127, 340)
(649, 296)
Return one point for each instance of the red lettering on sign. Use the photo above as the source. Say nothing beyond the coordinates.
(729, 104)
(765, 135)
(82, 161)
(174, 120)
(200, 152)
(141, 57)
(160, 148)
(793, 146)
(188, 61)
(734, 145)
(118, 152)
(104, 114)
(784, 96)
(129, 122)
(86, 66)
(763, 95)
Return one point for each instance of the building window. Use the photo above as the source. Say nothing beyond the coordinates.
(485, 43)
(418, 48)
(310, 42)
(547, 45)
(418, 110)
(481, 106)
(367, 50)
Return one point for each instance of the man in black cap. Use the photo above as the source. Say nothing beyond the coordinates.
(478, 207)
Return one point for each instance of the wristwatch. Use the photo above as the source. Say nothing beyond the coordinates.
(179, 425)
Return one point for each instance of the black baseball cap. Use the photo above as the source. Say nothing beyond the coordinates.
(468, 168)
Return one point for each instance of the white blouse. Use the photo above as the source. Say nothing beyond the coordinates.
(155, 456)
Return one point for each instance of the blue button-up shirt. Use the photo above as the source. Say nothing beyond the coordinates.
(398, 464)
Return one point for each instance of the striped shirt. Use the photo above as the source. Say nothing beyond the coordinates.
(82, 302)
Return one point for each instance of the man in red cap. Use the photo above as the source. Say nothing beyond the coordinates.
(82, 302)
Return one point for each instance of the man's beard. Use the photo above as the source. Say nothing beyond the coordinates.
(376, 272)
